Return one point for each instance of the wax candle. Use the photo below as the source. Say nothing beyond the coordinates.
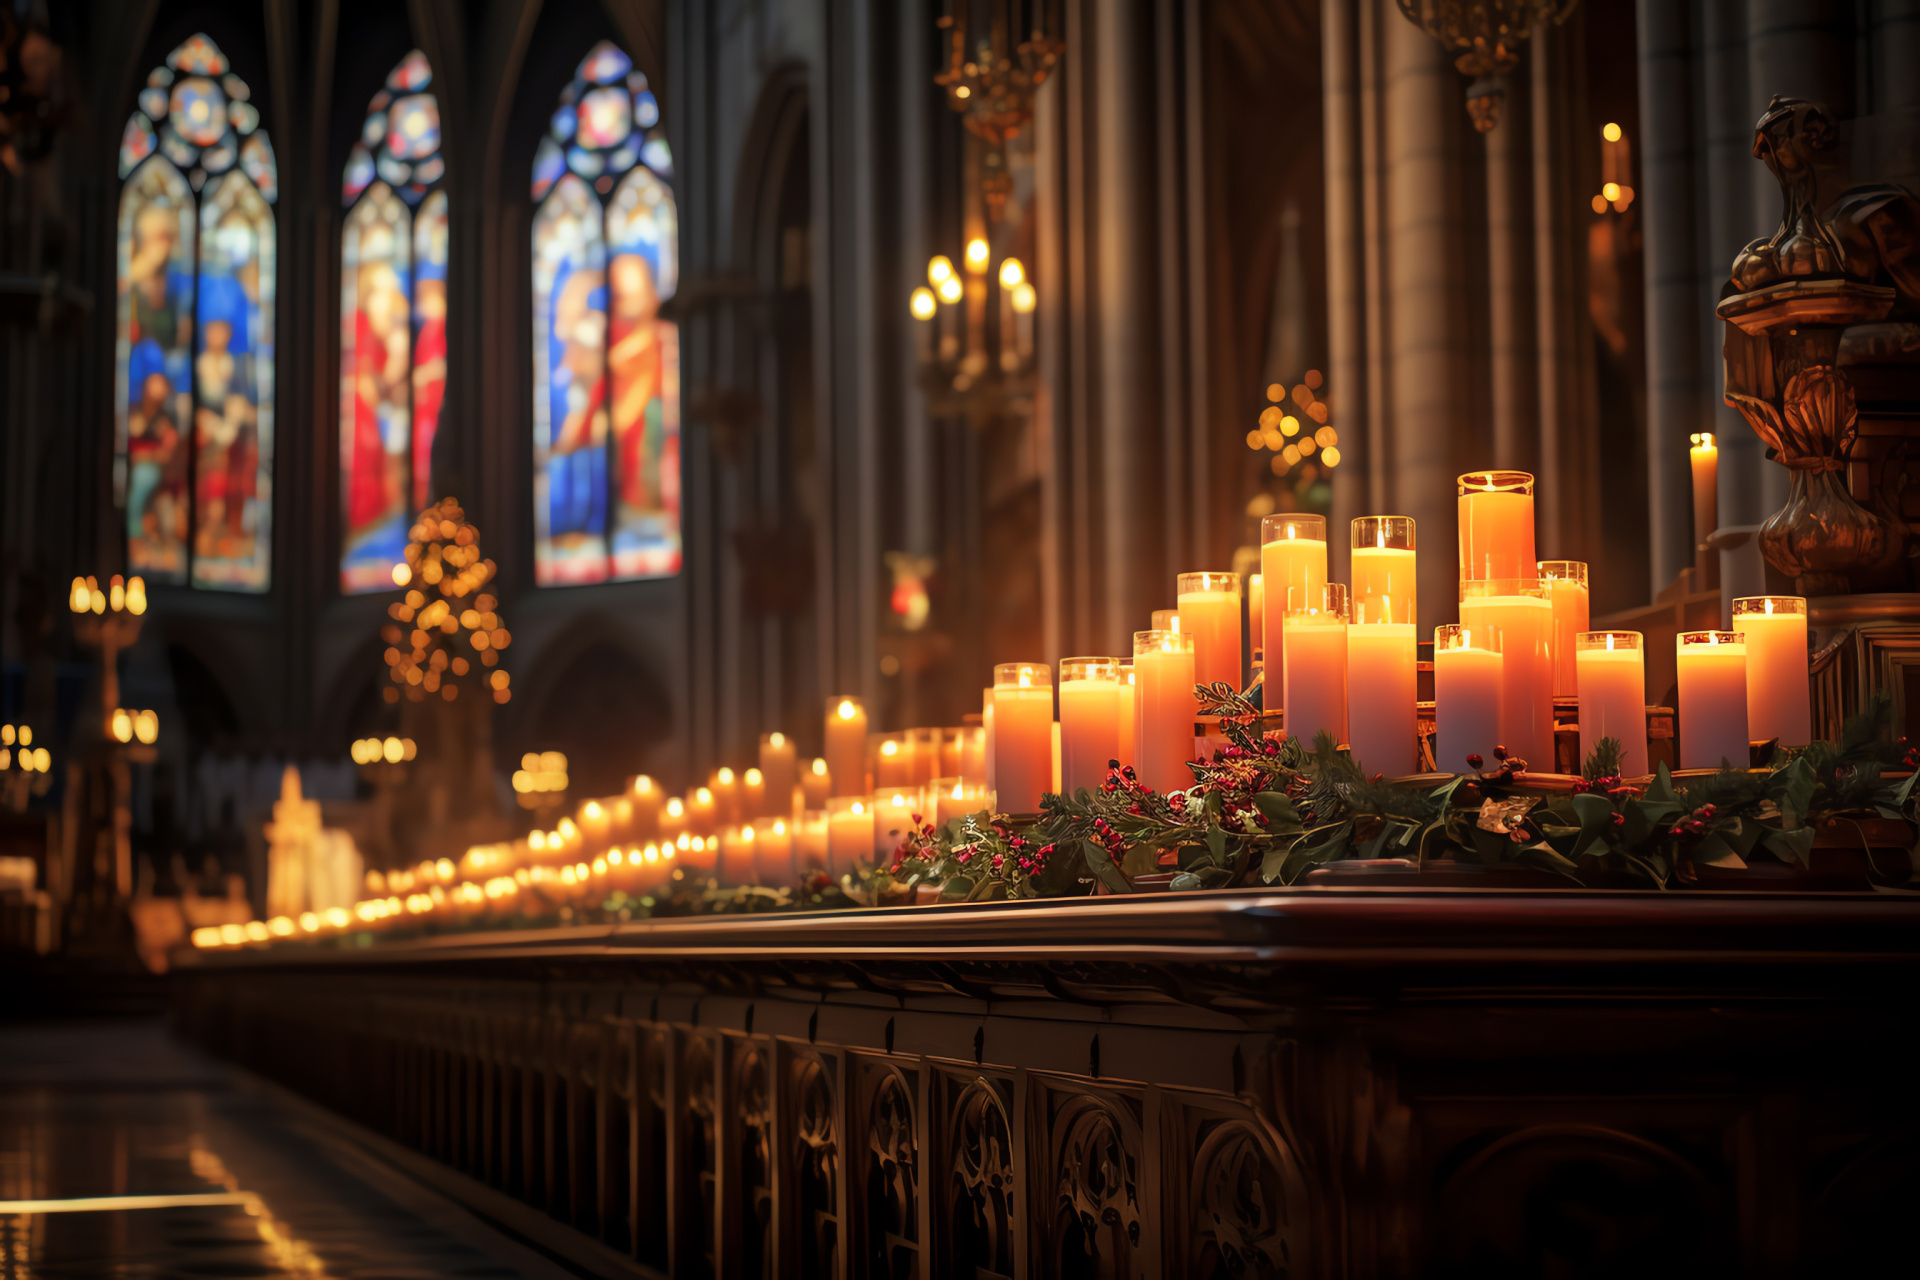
(1091, 699)
(753, 794)
(893, 812)
(1022, 734)
(1165, 620)
(1129, 711)
(817, 783)
(1566, 582)
(1163, 731)
(1712, 668)
(652, 865)
(736, 855)
(1210, 613)
(1382, 690)
(596, 822)
(644, 823)
(1256, 619)
(779, 766)
(1611, 667)
(846, 751)
(1313, 646)
(892, 762)
(702, 814)
(673, 818)
(1293, 557)
(1703, 459)
(955, 798)
(1779, 701)
(810, 841)
(924, 744)
(952, 750)
(973, 754)
(772, 851)
(1496, 526)
(1520, 609)
(986, 730)
(700, 854)
(1053, 751)
(1383, 589)
(726, 795)
(1467, 682)
(850, 839)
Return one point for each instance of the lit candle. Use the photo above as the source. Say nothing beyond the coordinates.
(1129, 711)
(673, 818)
(702, 815)
(595, 825)
(986, 734)
(849, 832)
(846, 751)
(1496, 526)
(753, 794)
(1779, 701)
(736, 855)
(644, 822)
(1053, 777)
(1383, 568)
(1703, 458)
(1091, 698)
(1523, 614)
(1382, 689)
(1566, 582)
(925, 744)
(892, 762)
(1713, 699)
(1611, 667)
(973, 754)
(1210, 613)
(817, 783)
(1165, 620)
(952, 750)
(893, 818)
(1313, 646)
(726, 795)
(1466, 694)
(700, 854)
(956, 798)
(772, 851)
(1256, 619)
(1163, 732)
(1022, 734)
(1293, 557)
(810, 841)
(779, 766)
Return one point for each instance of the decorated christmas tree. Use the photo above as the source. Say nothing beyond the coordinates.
(446, 632)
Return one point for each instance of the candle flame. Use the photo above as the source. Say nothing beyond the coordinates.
(703, 796)
(819, 767)
(779, 827)
(959, 791)
(1026, 678)
(725, 776)
(675, 807)
(1609, 642)
(846, 708)
(892, 748)
(746, 833)
(1290, 533)
(1380, 538)
(642, 785)
(776, 739)
(858, 808)
(1769, 604)
(755, 777)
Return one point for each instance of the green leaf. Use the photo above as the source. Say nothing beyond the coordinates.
(1216, 877)
(1794, 846)
(1547, 858)
(1185, 882)
(1274, 864)
(1103, 869)
(1278, 811)
(1710, 850)
(957, 889)
(1662, 786)
(1444, 792)
(1596, 816)
(1792, 789)
(1491, 846)
(1741, 834)
(1217, 843)
(1140, 860)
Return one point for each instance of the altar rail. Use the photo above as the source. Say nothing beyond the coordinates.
(1349, 1082)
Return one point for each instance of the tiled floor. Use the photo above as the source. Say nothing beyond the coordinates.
(119, 1110)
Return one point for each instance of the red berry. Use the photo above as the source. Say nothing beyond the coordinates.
(1474, 761)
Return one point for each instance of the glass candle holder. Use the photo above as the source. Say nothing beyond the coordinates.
(893, 810)
(1523, 613)
(925, 745)
(952, 747)
(1383, 684)
(773, 851)
(1163, 728)
(1166, 620)
(810, 842)
(1467, 681)
(1129, 709)
(1383, 588)
(816, 784)
(1496, 525)
(1256, 620)
(1210, 613)
(892, 760)
(1712, 675)
(1022, 734)
(849, 832)
(1293, 557)
(1566, 582)
(1611, 667)
(1091, 701)
(846, 750)
(780, 768)
(955, 797)
(737, 855)
(1314, 663)
(1779, 702)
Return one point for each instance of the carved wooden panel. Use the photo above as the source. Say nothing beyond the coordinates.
(885, 1164)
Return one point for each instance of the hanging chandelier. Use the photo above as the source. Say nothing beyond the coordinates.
(1485, 36)
(991, 80)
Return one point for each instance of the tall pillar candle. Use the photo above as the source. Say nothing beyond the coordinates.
(644, 824)
(1612, 670)
(973, 754)
(1519, 607)
(817, 783)
(846, 738)
(986, 734)
(956, 797)
(892, 762)
(1022, 734)
(726, 795)
(1703, 461)
(1210, 613)
(753, 795)
(1091, 699)
(773, 851)
(673, 818)
(736, 855)
(779, 766)
(1383, 688)
(703, 817)
(926, 754)
(1256, 620)
(1566, 583)
(850, 839)
(1712, 669)
(1163, 731)
(1383, 589)
(893, 812)
(1293, 557)
(1129, 711)
(810, 842)
(952, 745)
(1496, 526)
(1467, 671)
(1314, 664)
(1779, 701)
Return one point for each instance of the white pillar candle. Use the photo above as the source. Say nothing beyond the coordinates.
(1383, 588)
(1022, 734)
(779, 767)
(1163, 732)
(986, 734)
(1496, 525)
(956, 798)
(1566, 582)
(1467, 670)
(973, 754)
(850, 839)
(773, 851)
(1091, 699)
(893, 812)
(1256, 619)
(1383, 688)
(1611, 667)
(1129, 711)
(1210, 613)
(846, 752)
(810, 841)
(1779, 697)
(1713, 699)
(817, 783)
(892, 762)
(737, 856)
(1520, 610)
(1293, 556)
(1314, 664)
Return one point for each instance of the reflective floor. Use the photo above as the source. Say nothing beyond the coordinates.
(123, 1154)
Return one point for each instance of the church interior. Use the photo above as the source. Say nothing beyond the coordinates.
(921, 638)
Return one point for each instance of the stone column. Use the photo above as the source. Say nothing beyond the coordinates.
(1510, 288)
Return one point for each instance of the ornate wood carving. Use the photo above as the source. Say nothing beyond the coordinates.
(1096, 1210)
(980, 1185)
(889, 1205)
(815, 1162)
(1242, 1225)
(701, 1159)
(752, 1226)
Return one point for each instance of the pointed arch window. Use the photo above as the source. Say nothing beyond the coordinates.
(606, 367)
(393, 323)
(194, 335)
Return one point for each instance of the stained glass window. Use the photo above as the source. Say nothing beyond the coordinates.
(606, 367)
(393, 323)
(193, 390)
